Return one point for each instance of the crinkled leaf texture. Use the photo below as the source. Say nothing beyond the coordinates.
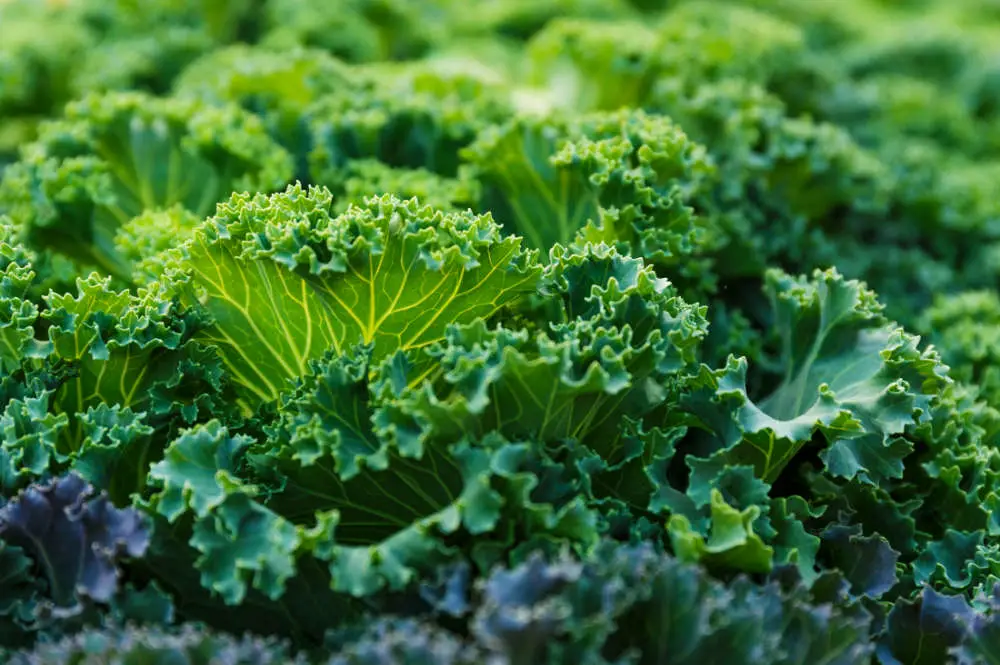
(188, 645)
(850, 376)
(379, 461)
(391, 641)
(237, 539)
(855, 390)
(119, 155)
(405, 117)
(124, 349)
(286, 279)
(619, 343)
(630, 603)
(627, 179)
(323, 489)
(75, 538)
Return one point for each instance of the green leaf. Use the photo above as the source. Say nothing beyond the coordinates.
(410, 120)
(372, 511)
(626, 179)
(379, 514)
(116, 156)
(793, 544)
(848, 375)
(18, 315)
(285, 280)
(923, 631)
(959, 561)
(116, 451)
(868, 562)
(30, 435)
(731, 542)
(243, 544)
(198, 471)
(619, 346)
(365, 178)
(23, 594)
(120, 348)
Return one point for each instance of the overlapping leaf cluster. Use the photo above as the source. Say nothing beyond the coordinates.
(377, 332)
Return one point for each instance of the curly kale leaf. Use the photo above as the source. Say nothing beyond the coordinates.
(75, 538)
(188, 645)
(626, 179)
(849, 375)
(629, 603)
(391, 273)
(119, 155)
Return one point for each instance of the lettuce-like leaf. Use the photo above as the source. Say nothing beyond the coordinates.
(126, 349)
(332, 465)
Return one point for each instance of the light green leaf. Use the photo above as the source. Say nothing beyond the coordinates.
(286, 281)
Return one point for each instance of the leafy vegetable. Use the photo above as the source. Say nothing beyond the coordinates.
(557, 331)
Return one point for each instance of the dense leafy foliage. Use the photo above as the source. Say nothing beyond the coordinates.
(376, 332)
